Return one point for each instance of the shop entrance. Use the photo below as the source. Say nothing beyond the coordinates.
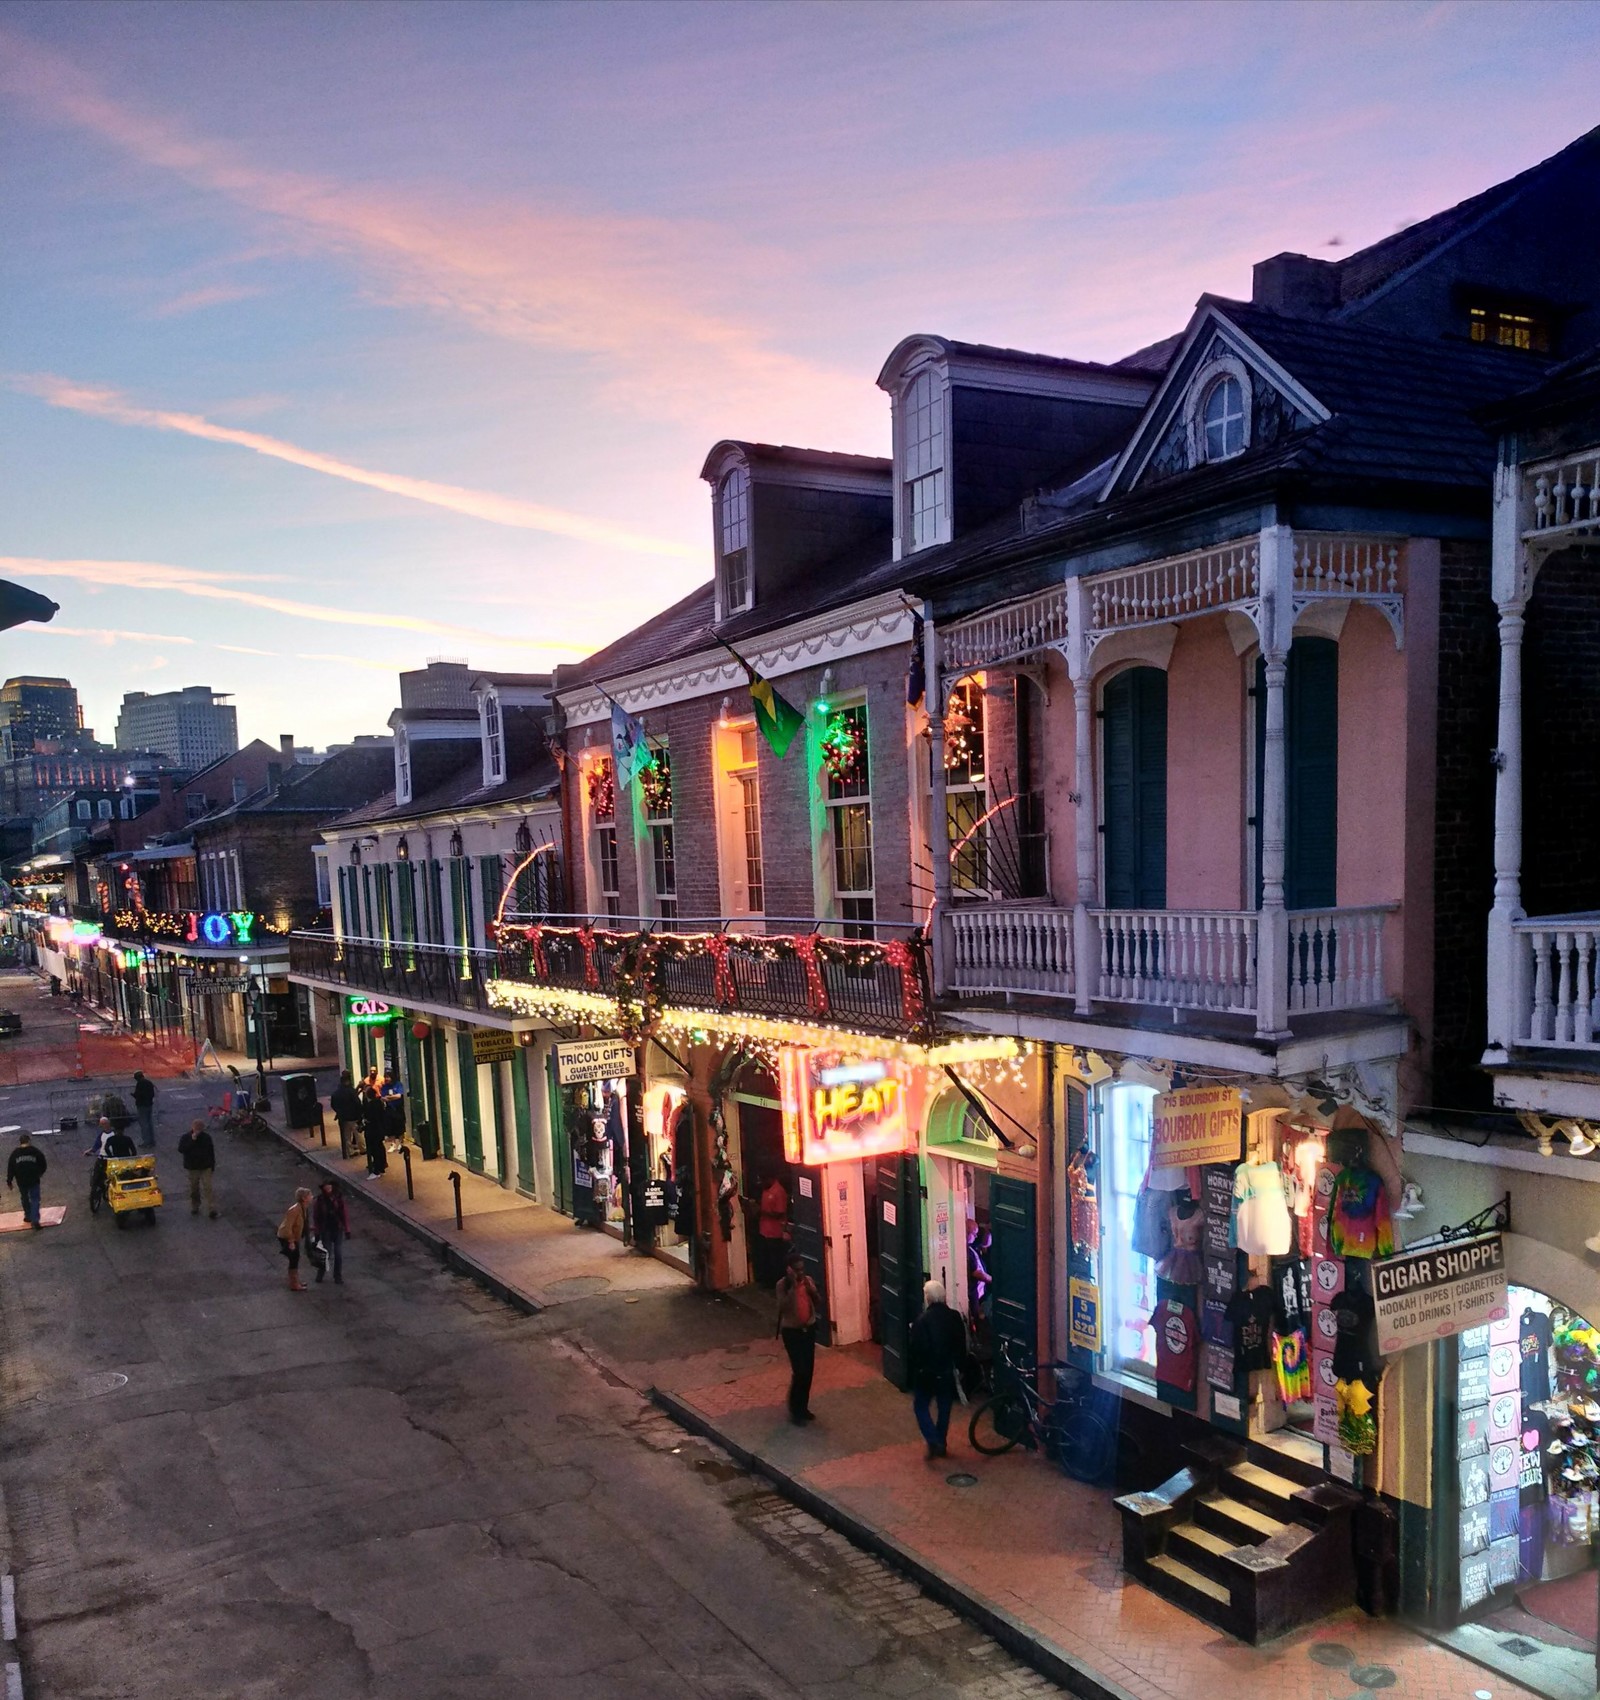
(1528, 1485)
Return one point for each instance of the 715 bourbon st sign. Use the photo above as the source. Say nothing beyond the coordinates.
(1428, 1295)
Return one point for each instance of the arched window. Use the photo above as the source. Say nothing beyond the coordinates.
(1222, 419)
(923, 477)
(733, 523)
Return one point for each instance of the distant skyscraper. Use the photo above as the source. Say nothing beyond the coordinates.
(190, 727)
(36, 711)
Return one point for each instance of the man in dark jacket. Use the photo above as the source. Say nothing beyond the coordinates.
(345, 1102)
(24, 1172)
(199, 1156)
(938, 1354)
(144, 1107)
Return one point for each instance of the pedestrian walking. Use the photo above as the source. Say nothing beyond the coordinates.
(938, 1355)
(24, 1171)
(799, 1305)
(330, 1222)
(199, 1156)
(144, 1107)
(345, 1102)
(292, 1231)
(374, 1124)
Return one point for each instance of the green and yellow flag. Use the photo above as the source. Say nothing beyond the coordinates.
(777, 717)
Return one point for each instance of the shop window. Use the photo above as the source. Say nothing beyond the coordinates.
(1134, 787)
(848, 804)
(1128, 1279)
(966, 788)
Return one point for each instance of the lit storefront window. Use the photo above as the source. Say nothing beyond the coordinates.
(1129, 1280)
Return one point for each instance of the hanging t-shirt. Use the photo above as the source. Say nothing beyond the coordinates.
(1354, 1350)
(1359, 1224)
(1251, 1316)
(1291, 1295)
(1085, 1210)
(1177, 1343)
(1533, 1344)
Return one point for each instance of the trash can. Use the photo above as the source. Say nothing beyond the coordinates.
(427, 1139)
(301, 1108)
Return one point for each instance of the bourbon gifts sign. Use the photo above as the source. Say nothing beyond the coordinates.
(1429, 1295)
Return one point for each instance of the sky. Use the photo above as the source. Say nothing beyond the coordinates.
(338, 337)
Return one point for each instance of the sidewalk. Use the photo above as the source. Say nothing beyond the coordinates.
(1033, 1558)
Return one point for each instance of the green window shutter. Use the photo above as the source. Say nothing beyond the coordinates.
(471, 1122)
(370, 928)
(408, 902)
(1014, 1295)
(1311, 773)
(491, 882)
(1134, 772)
(455, 902)
(344, 903)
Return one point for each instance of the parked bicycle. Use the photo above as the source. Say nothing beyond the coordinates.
(1071, 1428)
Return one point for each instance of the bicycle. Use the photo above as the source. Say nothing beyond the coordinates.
(97, 1186)
(1067, 1428)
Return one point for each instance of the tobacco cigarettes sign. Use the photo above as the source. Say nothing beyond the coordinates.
(1196, 1124)
(1429, 1295)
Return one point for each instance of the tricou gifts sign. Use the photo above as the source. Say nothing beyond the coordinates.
(1429, 1295)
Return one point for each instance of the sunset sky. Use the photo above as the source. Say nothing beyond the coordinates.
(337, 337)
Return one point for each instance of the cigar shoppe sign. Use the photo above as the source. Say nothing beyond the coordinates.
(1429, 1295)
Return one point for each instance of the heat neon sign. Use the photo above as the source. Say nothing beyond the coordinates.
(836, 1108)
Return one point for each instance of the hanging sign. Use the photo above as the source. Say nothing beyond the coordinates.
(368, 1012)
(1084, 1300)
(581, 1061)
(493, 1044)
(837, 1107)
(1429, 1295)
(1196, 1124)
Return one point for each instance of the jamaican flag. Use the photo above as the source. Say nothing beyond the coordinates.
(776, 716)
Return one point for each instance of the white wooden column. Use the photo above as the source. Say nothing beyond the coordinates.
(1086, 896)
(938, 808)
(1276, 626)
(1508, 989)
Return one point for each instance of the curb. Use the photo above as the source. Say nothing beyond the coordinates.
(1023, 1643)
(449, 1255)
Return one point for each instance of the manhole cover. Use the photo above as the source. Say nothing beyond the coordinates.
(1519, 1646)
(92, 1386)
(579, 1287)
(1372, 1676)
(962, 1479)
(1332, 1654)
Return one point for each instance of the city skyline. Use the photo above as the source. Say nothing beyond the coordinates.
(313, 376)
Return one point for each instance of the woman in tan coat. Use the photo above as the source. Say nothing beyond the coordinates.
(294, 1227)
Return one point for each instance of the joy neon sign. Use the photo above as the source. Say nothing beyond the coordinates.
(837, 1108)
(220, 927)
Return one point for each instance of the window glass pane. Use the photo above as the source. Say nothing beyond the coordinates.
(1224, 419)
(734, 525)
(1130, 1280)
(924, 469)
(750, 808)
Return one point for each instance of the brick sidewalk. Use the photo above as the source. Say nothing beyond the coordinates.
(1033, 1557)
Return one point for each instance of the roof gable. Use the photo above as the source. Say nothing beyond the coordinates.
(1163, 443)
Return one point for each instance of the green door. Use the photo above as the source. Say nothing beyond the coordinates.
(521, 1109)
(471, 1123)
(1134, 784)
(1311, 773)
(497, 1133)
(1012, 1207)
(900, 1271)
(560, 1140)
(441, 1075)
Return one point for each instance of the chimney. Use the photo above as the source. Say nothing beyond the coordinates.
(1296, 284)
(286, 746)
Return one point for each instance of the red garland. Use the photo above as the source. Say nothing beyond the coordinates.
(805, 947)
(898, 954)
(591, 966)
(722, 974)
(541, 963)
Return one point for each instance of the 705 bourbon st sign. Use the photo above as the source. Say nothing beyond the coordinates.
(1429, 1295)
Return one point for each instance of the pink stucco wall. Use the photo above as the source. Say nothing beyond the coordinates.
(1372, 771)
(1206, 752)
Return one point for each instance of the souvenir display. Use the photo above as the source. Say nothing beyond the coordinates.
(1359, 1224)
(1251, 1316)
(1358, 1422)
(1152, 1233)
(1084, 1194)
(1183, 1265)
(1261, 1223)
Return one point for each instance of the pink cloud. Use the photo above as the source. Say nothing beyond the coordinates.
(209, 295)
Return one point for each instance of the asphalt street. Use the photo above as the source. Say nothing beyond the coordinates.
(398, 1487)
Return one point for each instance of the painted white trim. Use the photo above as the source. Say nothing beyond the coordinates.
(860, 629)
(1523, 1155)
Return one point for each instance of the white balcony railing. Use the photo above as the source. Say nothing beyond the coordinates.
(1565, 493)
(1201, 959)
(1176, 588)
(1004, 947)
(1007, 633)
(1560, 974)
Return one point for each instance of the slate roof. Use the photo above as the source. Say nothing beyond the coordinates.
(349, 777)
(463, 789)
(679, 630)
(787, 455)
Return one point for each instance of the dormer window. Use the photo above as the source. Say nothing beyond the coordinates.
(733, 522)
(924, 478)
(494, 749)
(402, 767)
(1506, 327)
(1223, 419)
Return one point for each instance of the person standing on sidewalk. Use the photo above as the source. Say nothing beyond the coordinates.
(144, 1107)
(291, 1231)
(330, 1222)
(937, 1356)
(374, 1124)
(24, 1172)
(799, 1305)
(345, 1102)
(199, 1156)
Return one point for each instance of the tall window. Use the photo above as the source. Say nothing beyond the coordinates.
(739, 820)
(493, 738)
(750, 808)
(1134, 789)
(402, 766)
(1129, 1280)
(602, 783)
(966, 787)
(1222, 419)
(733, 504)
(849, 808)
(924, 476)
(655, 781)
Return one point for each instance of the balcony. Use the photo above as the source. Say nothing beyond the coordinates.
(860, 985)
(400, 972)
(1199, 959)
(1559, 978)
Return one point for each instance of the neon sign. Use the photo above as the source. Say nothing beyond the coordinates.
(368, 1012)
(218, 929)
(837, 1108)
